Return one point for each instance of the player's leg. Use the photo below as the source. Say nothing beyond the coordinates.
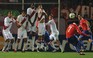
(12, 40)
(7, 41)
(75, 43)
(46, 40)
(19, 37)
(33, 40)
(5, 45)
(52, 42)
(25, 40)
(17, 44)
(33, 37)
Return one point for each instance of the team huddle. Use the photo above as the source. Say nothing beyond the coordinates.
(32, 23)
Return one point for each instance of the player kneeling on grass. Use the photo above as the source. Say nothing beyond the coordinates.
(22, 33)
(9, 39)
(54, 33)
(71, 38)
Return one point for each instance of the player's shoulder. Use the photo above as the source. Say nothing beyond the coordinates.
(6, 18)
(19, 15)
(29, 8)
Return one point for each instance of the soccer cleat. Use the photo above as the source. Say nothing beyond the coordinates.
(3, 51)
(38, 50)
(15, 50)
(33, 49)
(82, 53)
(54, 50)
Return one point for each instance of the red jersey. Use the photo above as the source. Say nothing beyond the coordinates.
(84, 24)
(73, 29)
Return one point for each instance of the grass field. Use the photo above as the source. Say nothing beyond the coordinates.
(44, 55)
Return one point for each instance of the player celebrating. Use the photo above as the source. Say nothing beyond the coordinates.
(6, 31)
(32, 15)
(22, 33)
(71, 38)
(54, 32)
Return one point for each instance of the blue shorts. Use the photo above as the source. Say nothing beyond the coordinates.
(73, 40)
(86, 37)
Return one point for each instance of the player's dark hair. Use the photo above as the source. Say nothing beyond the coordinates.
(32, 5)
(23, 11)
(9, 11)
(51, 15)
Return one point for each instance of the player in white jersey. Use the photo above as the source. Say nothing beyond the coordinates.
(6, 31)
(41, 27)
(54, 32)
(22, 33)
(32, 15)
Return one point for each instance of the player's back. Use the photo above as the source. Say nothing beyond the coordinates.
(53, 25)
(70, 30)
(84, 24)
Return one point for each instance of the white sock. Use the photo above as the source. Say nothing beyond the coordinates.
(37, 44)
(61, 48)
(16, 45)
(5, 45)
(52, 44)
(8, 47)
(13, 45)
(42, 45)
(24, 47)
(33, 41)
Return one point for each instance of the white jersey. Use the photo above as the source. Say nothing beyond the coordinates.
(20, 19)
(6, 29)
(40, 14)
(31, 12)
(41, 29)
(54, 31)
(52, 25)
(8, 23)
(22, 33)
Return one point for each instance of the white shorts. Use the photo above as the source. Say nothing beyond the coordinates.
(22, 34)
(41, 29)
(54, 36)
(31, 28)
(7, 35)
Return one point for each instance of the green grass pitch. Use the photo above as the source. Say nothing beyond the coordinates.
(44, 55)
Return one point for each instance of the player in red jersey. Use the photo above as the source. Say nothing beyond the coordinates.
(71, 31)
(84, 25)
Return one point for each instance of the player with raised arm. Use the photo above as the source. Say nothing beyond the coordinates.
(54, 33)
(32, 16)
